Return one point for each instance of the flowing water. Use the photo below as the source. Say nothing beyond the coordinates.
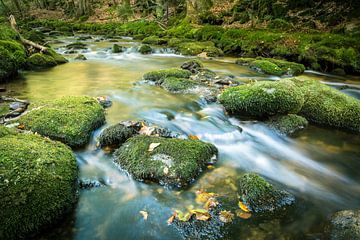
(319, 166)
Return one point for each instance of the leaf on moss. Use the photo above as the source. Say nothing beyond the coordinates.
(193, 137)
(153, 146)
(243, 207)
(146, 130)
(226, 216)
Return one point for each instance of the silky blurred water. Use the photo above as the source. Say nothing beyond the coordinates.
(319, 166)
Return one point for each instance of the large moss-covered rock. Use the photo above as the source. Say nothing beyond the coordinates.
(145, 49)
(194, 65)
(69, 119)
(263, 99)
(344, 225)
(165, 160)
(40, 60)
(116, 135)
(116, 48)
(37, 183)
(12, 58)
(260, 196)
(327, 106)
(272, 66)
(174, 84)
(59, 59)
(287, 124)
(161, 74)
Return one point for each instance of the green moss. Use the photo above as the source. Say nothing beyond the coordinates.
(76, 45)
(39, 60)
(4, 109)
(145, 49)
(35, 36)
(154, 40)
(12, 58)
(193, 65)
(161, 74)
(37, 183)
(329, 107)
(174, 84)
(262, 99)
(260, 196)
(59, 59)
(272, 66)
(69, 119)
(116, 135)
(195, 48)
(288, 124)
(174, 161)
(116, 48)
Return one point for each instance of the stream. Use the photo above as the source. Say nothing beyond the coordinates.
(319, 166)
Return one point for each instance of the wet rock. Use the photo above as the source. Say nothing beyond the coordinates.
(80, 57)
(104, 101)
(145, 49)
(272, 66)
(169, 161)
(2, 89)
(195, 48)
(116, 48)
(69, 119)
(158, 76)
(263, 99)
(155, 40)
(260, 196)
(83, 38)
(115, 135)
(31, 184)
(193, 66)
(344, 225)
(89, 184)
(287, 124)
(45, 60)
(76, 46)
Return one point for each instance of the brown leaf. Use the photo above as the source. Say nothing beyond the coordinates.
(226, 216)
(193, 137)
(171, 219)
(242, 214)
(148, 131)
(21, 127)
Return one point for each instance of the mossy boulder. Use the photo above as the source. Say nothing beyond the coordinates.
(329, 107)
(145, 49)
(116, 48)
(161, 74)
(12, 58)
(344, 225)
(165, 160)
(116, 135)
(272, 66)
(59, 59)
(37, 183)
(174, 84)
(76, 45)
(287, 124)
(155, 40)
(194, 65)
(80, 57)
(260, 196)
(69, 119)
(40, 60)
(263, 99)
(195, 48)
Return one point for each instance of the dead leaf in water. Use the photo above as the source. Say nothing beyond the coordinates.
(201, 214)
(203, 197)
(171, 219)
(211, 203)
(183, 217)
(242, 214)
(226, 216)
(243, 207)
(153, 146)
(144, 214)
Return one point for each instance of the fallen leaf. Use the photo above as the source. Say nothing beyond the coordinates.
(211, 203)
(171, 219)
(226, 216)
(148, 131)
(201, 214)
(210, 167)
(242, 214)
(203, 197)
(193, 137)
(243, 207)
(21, 127)
(183, 217)
(166, 170)
(144, 214)
(153, 146)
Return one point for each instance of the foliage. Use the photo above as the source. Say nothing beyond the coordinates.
(69, 119)
(37, 183)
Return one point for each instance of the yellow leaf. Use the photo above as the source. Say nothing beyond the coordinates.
(210, 167)
(243, 207)
(201, 214)
(193, 137)
(211, 203)
(183, 217)
(144, 214)
(21, 127)
(226, 216)
(203, 197)
(153, 146)
(171, 219)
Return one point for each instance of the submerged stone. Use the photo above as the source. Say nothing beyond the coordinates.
(344, 225)
(37, 183)
(263, 99)
(272, 66)
(165, 160)
(69, 119)
(260, 196)
(287, 124)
